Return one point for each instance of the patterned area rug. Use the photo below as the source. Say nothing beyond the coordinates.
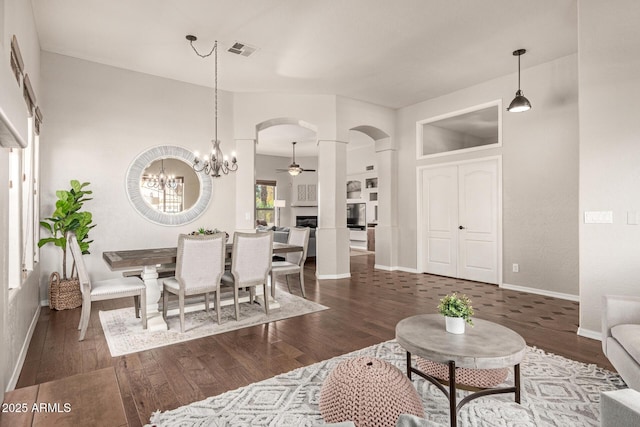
(125, 335)
(555, 392)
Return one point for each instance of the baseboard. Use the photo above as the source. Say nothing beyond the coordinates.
(544, 292)
(332, 276)
(587, 333)
(395, 268)
(23, 352)
(44, 303)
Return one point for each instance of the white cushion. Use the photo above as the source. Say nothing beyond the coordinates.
(171, 283)
(629, 337)
(284, 267)
(620, 408)
(227, 277)
(116, 286)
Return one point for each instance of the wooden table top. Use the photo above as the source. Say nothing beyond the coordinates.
(486, 345)
(141, 257)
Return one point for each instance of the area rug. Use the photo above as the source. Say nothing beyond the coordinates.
(555, 392)
(125, 335)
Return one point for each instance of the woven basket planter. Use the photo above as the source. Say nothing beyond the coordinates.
(64, 294)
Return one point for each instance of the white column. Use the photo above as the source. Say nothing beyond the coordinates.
(332, 235)
(245, 185)
(387, 228)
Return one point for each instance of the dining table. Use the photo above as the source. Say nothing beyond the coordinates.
(148, 261)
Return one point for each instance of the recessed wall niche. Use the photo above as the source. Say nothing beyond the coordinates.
(475, 128)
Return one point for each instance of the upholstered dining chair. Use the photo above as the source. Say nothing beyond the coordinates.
(250, 265)
(104, 289)
(199, 267)
(294, 261)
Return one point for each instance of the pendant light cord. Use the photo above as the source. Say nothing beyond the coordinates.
(519, 72)
(215, 87)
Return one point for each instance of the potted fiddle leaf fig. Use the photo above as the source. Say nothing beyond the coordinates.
(67, 217)
(457, 310)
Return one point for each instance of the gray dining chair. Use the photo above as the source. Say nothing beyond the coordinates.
(294, 261)
(199, 267)
(250, 265)
(104, 289)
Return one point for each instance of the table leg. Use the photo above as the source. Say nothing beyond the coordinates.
(409, 365)
(516, 380)
(273, 304)
(453, 404)
(155, 322)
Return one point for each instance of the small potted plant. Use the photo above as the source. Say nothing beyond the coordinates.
(208, 232)
(457, 310)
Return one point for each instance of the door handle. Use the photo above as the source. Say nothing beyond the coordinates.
(461, 227)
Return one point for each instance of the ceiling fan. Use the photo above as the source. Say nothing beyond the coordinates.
(294, 168)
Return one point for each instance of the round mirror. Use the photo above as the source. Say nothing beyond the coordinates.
(163, 187)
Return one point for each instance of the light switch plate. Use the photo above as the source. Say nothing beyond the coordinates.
(633, 218)
(598, 217)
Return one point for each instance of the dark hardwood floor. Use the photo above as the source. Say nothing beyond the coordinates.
(363, 311)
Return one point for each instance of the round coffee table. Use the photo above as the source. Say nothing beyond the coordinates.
(485, 346)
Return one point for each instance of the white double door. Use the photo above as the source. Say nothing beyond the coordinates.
(460, 220)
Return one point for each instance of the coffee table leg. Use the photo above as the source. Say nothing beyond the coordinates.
(516, 380)
(453, 410)
(409, 365)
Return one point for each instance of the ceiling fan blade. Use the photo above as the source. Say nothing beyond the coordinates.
(309, 170)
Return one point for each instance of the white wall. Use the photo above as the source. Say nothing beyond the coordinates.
(540, 173)
(99, 118)
(19, 306)
(609, 42)
(351, 113)
(251, 109)
(359, 158)
(304, 208)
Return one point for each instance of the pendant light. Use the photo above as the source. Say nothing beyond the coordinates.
(520, 103)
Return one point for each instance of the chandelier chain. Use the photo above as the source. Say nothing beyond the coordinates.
(215, 88)
(216, 162)
(205, 55)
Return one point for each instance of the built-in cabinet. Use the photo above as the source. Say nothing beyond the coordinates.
(362, 190)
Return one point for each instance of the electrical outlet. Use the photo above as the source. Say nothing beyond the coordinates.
(516, 268)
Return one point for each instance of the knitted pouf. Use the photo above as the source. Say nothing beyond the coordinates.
(369, 392)
(481, 378)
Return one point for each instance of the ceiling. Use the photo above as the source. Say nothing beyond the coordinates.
(390, 53)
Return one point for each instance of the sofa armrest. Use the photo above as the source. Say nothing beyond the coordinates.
(618, 310)
(620, 408)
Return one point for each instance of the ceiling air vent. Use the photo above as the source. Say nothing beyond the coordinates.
(369, 168)
(242, 49)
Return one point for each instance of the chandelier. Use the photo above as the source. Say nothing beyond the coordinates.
(216, 162)
(162, 180)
